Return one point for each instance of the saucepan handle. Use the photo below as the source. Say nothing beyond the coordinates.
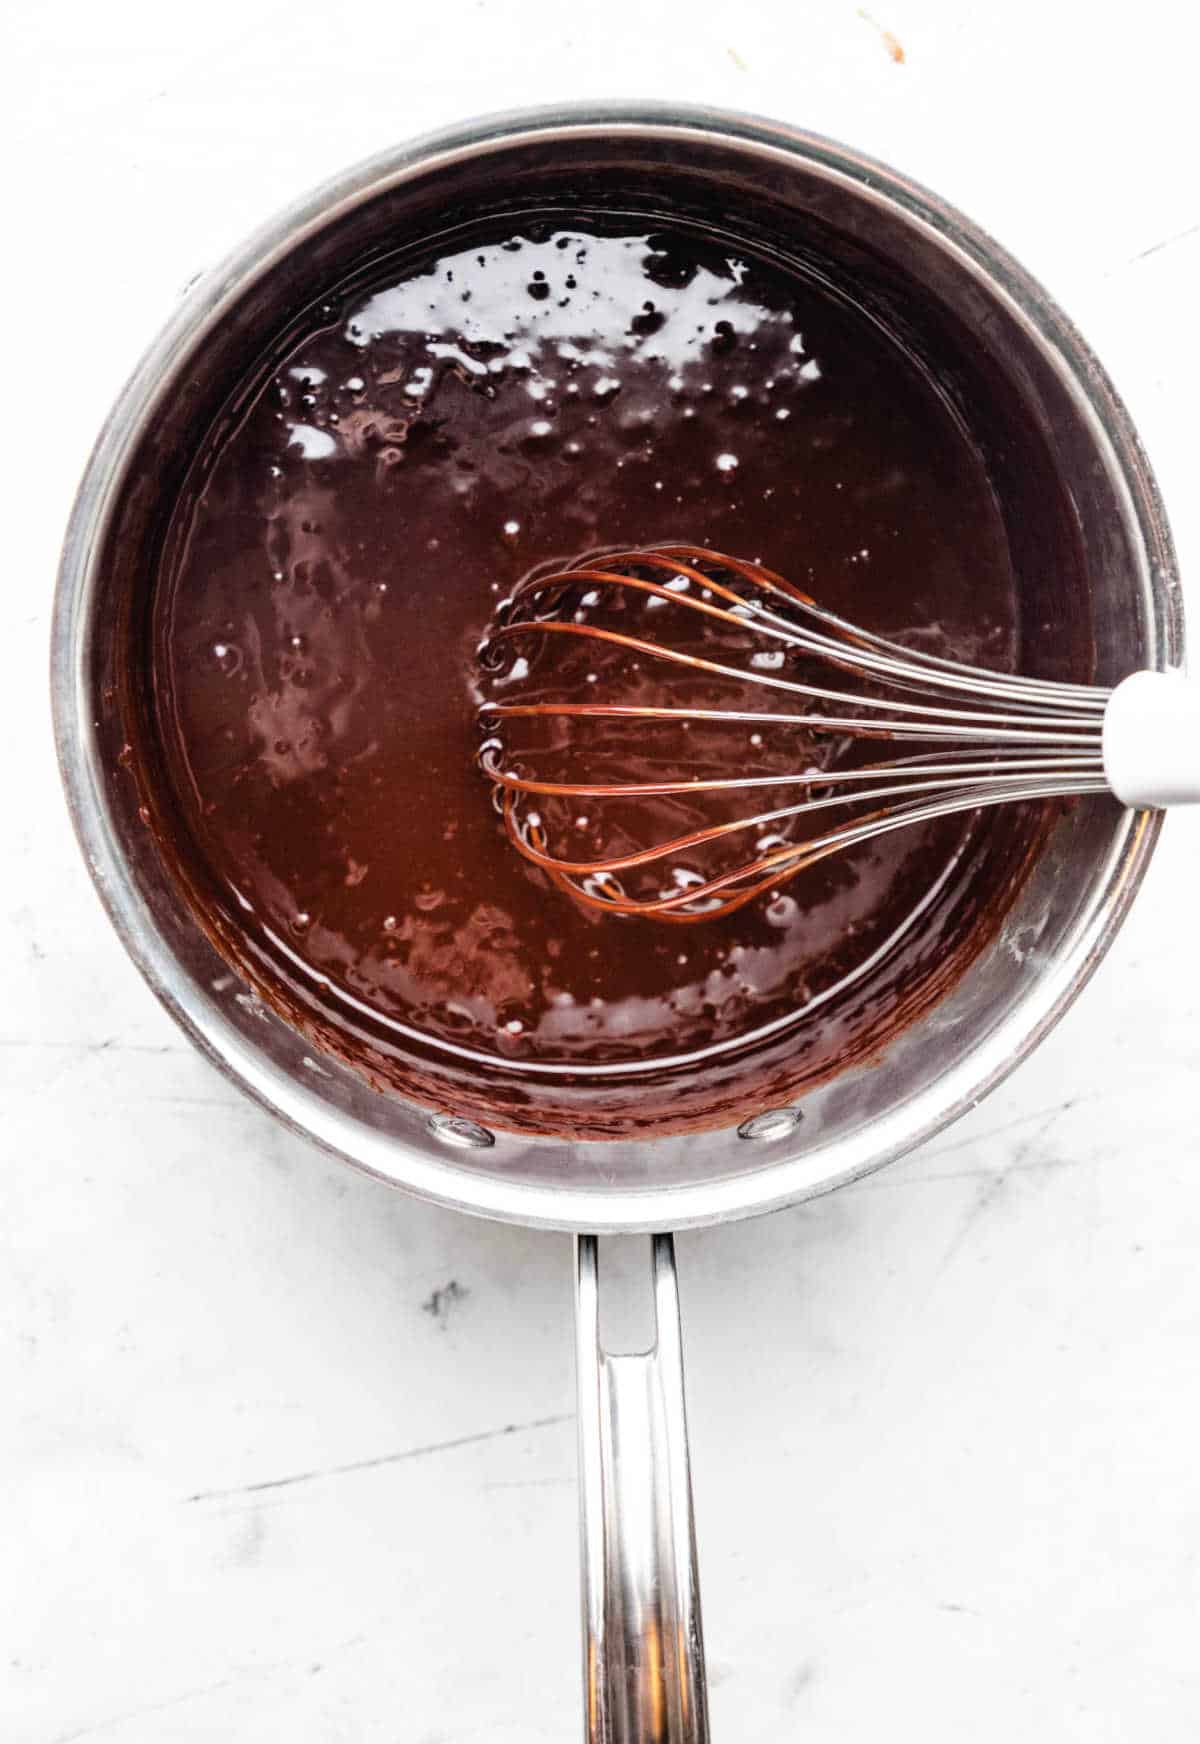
(643, 1666)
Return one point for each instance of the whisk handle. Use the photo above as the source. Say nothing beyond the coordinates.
(1151, 740)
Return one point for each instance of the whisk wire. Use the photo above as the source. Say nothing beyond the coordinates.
(1035, 739)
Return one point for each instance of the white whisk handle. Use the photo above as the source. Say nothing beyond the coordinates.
(1151, 740)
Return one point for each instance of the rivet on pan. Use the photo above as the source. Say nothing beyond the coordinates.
(468, 1135)
(773, 1123)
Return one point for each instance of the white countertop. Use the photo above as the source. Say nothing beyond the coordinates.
(944, 1423)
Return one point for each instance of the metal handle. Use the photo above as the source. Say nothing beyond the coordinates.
(643, 1665)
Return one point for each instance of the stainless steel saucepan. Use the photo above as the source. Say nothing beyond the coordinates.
(644, 1675)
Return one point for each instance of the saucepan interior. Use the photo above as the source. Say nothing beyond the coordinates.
(913, 260)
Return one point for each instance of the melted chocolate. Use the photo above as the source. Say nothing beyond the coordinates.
(428, 439)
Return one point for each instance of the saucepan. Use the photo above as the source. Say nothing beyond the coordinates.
(643, 1664)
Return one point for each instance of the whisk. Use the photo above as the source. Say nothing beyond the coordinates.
(682, 644)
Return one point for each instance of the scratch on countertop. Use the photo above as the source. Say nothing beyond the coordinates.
(1167, 242)
(93, 1047)
(231, 1104)
(244, 1675)
(1023, 1156)
(991, 1187)
(993, 1182)
(1017, 1166)
(528, 1483)
(886, 1181)
(175, 1701)
(381, 1459)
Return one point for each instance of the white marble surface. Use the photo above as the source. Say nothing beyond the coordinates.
(945, 1423)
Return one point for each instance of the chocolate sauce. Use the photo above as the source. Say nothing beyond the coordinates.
(530, 392)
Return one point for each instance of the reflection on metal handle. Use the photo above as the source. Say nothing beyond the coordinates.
(643, 1650)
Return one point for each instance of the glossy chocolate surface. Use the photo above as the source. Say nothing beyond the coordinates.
(521, 395)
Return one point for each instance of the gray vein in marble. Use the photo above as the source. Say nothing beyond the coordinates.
(205, 1689)
(358, 1465)
(1167, 242)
